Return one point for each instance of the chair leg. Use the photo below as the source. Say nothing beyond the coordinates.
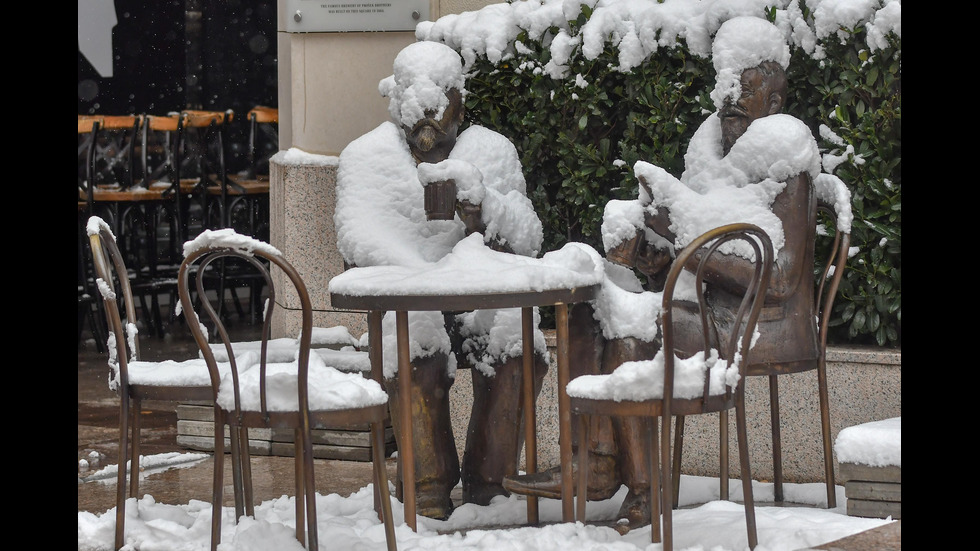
(381, 483)
(257, 302)
(299, 485)
(134, 457)
(236, 470)
(221, 289)
(236, 301)
(121, 471)
(313, 537)
(827, 444)
(678, 453)
(667, 504)
(655, 487)
(723, 454)
(84, 313)
(245, 456)
(157, 316)
(217, 493)
(746, 470)
(583, 468)
(777, 453)
(87, 316)
(148, 318)
(99, 328)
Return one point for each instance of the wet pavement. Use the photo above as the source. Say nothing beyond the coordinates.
(98, 434)
(98, 440)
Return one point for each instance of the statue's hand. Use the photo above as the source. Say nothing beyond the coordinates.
(652, 260)
(658, 220)
(471, 215)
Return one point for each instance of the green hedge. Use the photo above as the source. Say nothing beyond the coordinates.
(578, 143)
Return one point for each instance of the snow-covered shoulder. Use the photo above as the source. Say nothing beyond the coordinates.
(621, 219)
(508, 213)
(717, 189)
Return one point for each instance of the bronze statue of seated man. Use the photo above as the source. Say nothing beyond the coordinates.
(751, 90)
(380, 220)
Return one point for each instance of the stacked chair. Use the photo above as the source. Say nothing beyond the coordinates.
(246, 195)
(137, 210)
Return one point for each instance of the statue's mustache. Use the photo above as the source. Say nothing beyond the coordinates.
(426, 132)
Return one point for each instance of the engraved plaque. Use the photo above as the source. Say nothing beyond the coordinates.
(309, 16)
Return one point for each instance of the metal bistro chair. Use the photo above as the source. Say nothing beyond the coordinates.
(826, 292)
(254, 180)
(697, 385)
(133, 379)
(301, 394)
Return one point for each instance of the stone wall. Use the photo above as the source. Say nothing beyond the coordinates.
(864, 385)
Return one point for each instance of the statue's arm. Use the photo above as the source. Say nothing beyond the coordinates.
(794, 207)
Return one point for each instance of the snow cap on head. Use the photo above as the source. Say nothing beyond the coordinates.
(743, 43)
(423, 72)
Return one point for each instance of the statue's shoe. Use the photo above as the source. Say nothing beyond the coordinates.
(482, 493)
(603, 483)
(433, 502)
(636, 508)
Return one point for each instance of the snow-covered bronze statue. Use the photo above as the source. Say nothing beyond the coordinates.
(381, 221)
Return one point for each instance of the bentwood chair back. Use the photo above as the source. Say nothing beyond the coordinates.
(135, 380)
(709, 381)
(299, 394)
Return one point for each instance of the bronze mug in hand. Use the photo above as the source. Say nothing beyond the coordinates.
(440, 200)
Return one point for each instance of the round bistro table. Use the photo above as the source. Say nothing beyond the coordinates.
(377, 303)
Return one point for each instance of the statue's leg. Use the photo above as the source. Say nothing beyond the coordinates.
(586, 345)
(436, 459)
(633, 449)
(495, 434)
(634, 452)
